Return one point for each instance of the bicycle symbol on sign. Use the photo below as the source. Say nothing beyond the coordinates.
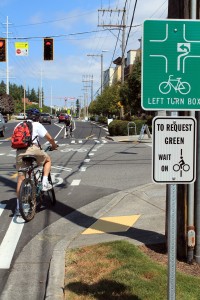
(182, 87)
(181, 166)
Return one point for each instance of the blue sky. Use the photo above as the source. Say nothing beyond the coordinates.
(74, 26)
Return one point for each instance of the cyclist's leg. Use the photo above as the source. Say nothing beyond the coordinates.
(43, 159)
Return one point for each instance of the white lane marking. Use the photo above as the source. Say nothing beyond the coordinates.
(76, 182)
(2, 206)
(87, 160)
(13, 155)
(73, 142)
(83, 169)
(2, 153)
(61, 168)
(90, 154)
(80, 141)
(10, 241)
(94, 149)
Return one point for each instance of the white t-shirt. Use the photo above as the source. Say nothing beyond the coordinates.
(38, 130)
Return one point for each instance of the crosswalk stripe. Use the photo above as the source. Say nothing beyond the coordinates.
(76, 182)
(10, 241)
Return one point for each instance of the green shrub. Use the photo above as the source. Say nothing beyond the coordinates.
(120, 127)
(102, 120)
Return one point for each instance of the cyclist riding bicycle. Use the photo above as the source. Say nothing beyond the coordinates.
(68, 123)
(42, 158)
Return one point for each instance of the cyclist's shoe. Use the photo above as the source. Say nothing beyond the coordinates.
(46, 186)
(17, 212)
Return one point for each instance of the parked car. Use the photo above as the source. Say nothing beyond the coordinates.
(2, 125)
(45, 118)
(21, 116)
(61, 117)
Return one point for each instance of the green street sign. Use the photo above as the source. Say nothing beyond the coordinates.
(171, 65)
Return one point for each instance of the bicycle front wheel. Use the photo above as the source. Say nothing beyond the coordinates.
(27, 199)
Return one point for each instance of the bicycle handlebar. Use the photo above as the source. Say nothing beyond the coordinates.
(49, 148)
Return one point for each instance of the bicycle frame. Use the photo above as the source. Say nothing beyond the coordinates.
(31, 193)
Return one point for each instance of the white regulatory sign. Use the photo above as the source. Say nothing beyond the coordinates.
(174, 150)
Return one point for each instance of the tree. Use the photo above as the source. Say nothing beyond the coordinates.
(130, 91)
(107, 103)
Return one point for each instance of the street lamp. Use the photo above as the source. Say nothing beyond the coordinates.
(100, 55)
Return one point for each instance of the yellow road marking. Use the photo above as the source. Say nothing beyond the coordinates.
(112, 224)
(14, 175)
(88, 137)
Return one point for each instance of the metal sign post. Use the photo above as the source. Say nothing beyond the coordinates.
(172, 241)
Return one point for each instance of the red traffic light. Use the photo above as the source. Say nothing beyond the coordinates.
(48, 49)
(47, 44)
(2, 43)
(2, 50)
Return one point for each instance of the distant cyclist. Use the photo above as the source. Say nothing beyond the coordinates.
(43, 159)
(68, 123)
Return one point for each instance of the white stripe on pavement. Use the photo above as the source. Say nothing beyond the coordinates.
(87, 160)
(76, 182)
(61, 168)
(83, 169)
(10, 241)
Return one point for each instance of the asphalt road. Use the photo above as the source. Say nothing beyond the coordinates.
(84, 169)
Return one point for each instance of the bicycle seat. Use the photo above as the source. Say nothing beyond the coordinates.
(29, 158)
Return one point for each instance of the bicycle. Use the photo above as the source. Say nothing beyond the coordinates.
(31, 195)
(182, 87)
(67, 132)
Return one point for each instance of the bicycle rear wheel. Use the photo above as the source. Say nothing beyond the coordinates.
(51, 193)
(27, 199)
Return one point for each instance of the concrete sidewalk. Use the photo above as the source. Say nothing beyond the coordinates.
(136, 215)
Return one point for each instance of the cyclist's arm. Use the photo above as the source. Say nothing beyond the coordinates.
(51, 141)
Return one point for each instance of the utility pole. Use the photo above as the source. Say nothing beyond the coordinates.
(7, 58)
(180, 9)
(120, 26)
(87, 79)
(40, 98)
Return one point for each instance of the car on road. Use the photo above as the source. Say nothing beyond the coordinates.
(45, 118)
(2, 125)
(21, 116)
(61, 117)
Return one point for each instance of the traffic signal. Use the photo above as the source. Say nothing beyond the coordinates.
(48, 49)
(2, 50)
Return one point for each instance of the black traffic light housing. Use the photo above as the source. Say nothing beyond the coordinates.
(48, 49)
(2, 50)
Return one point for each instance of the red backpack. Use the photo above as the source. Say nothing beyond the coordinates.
(22, 135)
